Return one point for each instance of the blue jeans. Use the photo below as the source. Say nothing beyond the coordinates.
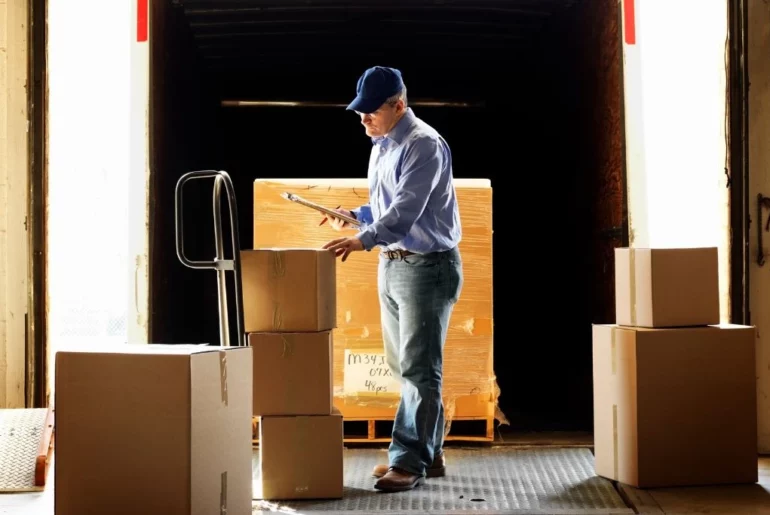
(417, 295)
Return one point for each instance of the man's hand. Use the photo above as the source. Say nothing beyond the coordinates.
(337, 223)
(344, 246)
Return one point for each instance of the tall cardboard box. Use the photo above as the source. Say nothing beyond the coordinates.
(153, 429)
(289, 290)
(300, 457)
(675, 407)
(292, 373)
(666, 287)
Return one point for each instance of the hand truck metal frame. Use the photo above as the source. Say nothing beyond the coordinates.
(219, 263)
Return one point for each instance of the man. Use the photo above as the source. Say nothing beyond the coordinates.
(412, 215)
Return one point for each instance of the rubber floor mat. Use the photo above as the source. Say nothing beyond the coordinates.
(21, 431)
(492, 480)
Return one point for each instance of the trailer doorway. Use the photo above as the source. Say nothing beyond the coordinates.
(541, 88)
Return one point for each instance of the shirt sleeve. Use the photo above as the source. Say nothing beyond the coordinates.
(420, 172)
(363, 214)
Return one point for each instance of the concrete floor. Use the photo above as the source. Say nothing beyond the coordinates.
(738, 499)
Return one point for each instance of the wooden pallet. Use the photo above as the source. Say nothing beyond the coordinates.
(366, 431)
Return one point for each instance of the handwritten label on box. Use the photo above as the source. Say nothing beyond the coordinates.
(367, 373)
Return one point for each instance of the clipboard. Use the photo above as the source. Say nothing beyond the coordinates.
(325, 210)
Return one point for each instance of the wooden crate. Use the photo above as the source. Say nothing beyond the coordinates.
(470, 388)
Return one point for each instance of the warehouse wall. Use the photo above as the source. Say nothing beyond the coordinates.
(553, 136)
(604, 138)
(759, 174)
(13, 201)
(539, 129)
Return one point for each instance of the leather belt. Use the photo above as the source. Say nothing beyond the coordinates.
(396, 254)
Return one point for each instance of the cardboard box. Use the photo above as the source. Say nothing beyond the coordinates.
(153, 429)
(292, 373)
(300, 457)
(675, 407)
(289, 290)
(666, 287)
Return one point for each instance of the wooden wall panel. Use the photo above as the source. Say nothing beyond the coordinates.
(14, 168)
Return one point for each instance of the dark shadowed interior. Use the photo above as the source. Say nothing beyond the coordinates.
(534, 88)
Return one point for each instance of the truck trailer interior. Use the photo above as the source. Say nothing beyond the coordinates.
(528, 93)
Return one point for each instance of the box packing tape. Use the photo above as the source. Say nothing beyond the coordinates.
(288, 347)
(613, 348)
(615, 441)
(277, 269)
(632, 284)
(223, 376)
(291, 390)
(223, 494)
(613, 351)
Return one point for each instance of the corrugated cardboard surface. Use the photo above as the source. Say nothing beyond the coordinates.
(468, 363)
(300, 457)
(667, 287)
(292, 373)
(153, 429)
(288, 289)
(675, 407)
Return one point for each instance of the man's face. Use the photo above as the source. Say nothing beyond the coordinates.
(381, 121)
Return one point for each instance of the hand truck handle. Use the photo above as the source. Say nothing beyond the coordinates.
(220, 264)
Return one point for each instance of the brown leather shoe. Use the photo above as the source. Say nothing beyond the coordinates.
(437, 469)
(397, 480)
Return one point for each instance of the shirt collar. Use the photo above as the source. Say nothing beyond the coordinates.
(398, 132)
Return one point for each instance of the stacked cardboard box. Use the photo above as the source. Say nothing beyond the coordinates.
(674, 391)
(153, 429)
(289, 301)
(470, 389)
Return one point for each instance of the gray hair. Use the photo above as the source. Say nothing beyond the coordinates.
(401, 95)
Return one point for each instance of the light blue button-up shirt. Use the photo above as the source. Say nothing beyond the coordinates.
(412, 200)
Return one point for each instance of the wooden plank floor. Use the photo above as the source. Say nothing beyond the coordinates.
(727, 500)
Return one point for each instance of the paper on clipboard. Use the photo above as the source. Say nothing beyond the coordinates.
(325, 210)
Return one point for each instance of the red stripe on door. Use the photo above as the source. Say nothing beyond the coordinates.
(142, 7)
(629, 20)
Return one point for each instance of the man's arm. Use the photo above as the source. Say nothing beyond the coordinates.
(363, 214)
(419, 175)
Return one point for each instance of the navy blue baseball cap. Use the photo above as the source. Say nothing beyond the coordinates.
(375, 86)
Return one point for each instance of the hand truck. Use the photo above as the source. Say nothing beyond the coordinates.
(219, 263)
